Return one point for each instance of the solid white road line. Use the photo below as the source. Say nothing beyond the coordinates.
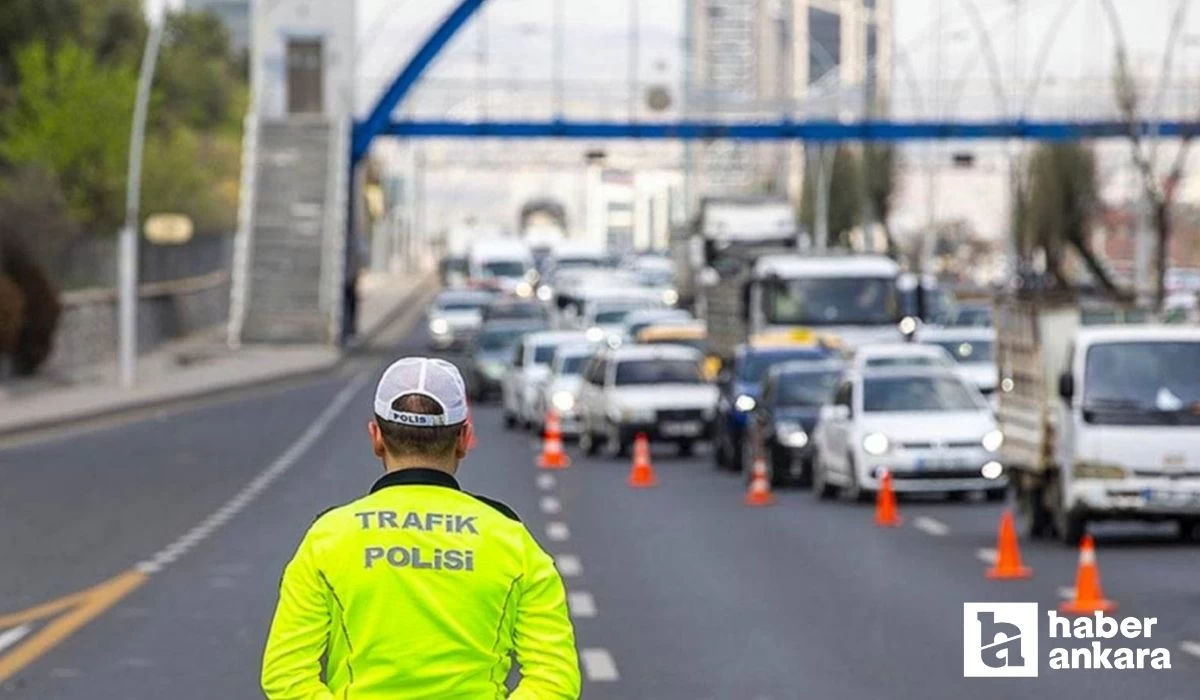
(12, 636)
(598, 665)
(254, 489)
(1192, 648)
(931, 526)
(550, 504)
(559, 532)
(545, 482)
(582, 604)
(1066, 592)
(987, 555)
(568, 565)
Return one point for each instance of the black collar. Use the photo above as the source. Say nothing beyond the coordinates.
(417, 476)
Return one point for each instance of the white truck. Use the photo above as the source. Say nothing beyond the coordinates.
(1100, 422)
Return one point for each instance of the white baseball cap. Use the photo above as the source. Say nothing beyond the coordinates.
(435, 379)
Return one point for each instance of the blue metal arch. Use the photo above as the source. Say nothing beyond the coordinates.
(377, 121)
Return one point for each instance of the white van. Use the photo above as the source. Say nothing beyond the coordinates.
(504, 264)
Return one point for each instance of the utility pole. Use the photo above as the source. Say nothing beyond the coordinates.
(127, 261)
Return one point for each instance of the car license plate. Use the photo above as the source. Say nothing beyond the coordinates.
(685, 429)
(939, 463)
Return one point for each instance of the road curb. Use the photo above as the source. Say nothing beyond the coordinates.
(265, 381)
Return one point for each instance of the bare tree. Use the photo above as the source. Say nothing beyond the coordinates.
(1159, 192)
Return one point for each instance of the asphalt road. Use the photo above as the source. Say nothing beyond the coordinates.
(679, 591)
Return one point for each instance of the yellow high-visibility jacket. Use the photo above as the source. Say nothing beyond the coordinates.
(420, 590)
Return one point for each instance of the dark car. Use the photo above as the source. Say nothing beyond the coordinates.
(786, 415)
(515, 309)
(739, 385)
(491, 350)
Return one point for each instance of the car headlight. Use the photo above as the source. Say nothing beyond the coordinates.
(614, 341)
(439, 326)
(545, 293)
(992, 470)
(791, 434)
(1097, 470)
(875, 444)
(524, 290)
(563, 401)
(595, 334)
(670, 297)
(745, 403)
(992, 440)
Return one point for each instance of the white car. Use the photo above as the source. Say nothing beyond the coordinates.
(973, 350)
(886, 355)
(658, 390)
(931, 430)
(604, 312)
(561, 388)
(530, 367)
(454, 317)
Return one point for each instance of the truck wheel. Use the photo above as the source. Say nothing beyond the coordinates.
(737, 460)
(686, 448)
(1071, 528)
(781, 466)
(1035, 520)
(510, 421)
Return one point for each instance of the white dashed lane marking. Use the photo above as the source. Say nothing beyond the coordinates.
(255, 488)
(546, 482)
(550, 504)
(558, 532)
(12, 636)
(1192, 648)
(987, 555)
(598, 665)
(568, 565)
(582, 604)
(931, 526)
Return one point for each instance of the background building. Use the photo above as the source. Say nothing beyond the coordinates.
(773, 58)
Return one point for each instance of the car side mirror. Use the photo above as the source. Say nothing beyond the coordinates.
(1066, 386)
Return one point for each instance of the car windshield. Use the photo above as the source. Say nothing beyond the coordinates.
(496, 339)
(510, 310)
(658, 371)
(694, 343)
(611, 316)
(831, 301)
(938, 303)
(504, 268)
(1142, 383)
(906, 361)
(571, 365)
(968, 351)
(461, 305)
(655, 278)
(454, 264)
(542, 354)
(806, 388)
(752, 367)
(973, 316)
(909, 394)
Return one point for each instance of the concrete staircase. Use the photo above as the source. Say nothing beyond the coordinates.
(291, 264)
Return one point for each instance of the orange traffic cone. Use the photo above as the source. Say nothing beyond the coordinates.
(1089, 597)
(759, 492)
(1008, 560)
(553, 455)
(641, 476)
(885, 503)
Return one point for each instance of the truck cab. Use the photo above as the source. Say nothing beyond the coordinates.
(1100, 422)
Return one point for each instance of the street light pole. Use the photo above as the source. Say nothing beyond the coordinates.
(127, 262)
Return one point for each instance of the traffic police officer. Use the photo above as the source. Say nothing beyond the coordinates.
(419, 589)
